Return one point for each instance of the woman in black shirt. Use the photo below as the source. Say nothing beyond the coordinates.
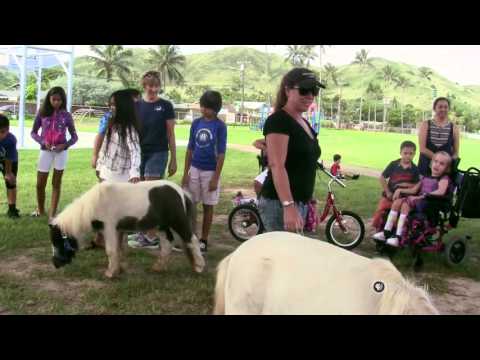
(293, 151)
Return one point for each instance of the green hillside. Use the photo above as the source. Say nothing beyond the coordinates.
(220, 69)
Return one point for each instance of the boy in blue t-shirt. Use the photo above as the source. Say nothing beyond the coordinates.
(9, 164)
(204, 160)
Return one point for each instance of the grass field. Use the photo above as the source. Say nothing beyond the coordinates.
(30, 285)
(358, 148)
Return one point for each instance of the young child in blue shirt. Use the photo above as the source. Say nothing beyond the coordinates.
(9, 164)
(204, 159)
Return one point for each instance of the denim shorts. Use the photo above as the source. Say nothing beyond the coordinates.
(154, 164)
(271, 212)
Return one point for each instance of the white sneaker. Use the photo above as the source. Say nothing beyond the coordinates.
(380, 236)
(393, 241)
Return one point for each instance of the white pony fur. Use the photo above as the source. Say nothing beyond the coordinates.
(284, 273)
(76, 218)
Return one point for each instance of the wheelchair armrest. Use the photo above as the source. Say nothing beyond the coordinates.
(436, 198)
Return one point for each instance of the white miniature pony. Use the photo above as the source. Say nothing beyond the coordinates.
(118, 208)
(284, 273)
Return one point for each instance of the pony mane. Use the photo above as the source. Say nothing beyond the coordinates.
(76, 218)
(401, 296)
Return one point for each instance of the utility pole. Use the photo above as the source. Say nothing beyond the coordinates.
(242, 79)
(242, 76)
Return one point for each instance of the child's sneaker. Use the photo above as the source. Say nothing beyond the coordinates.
(13, 213)
(393, 241)
(141, 242)
(203, 246)
(380, 236)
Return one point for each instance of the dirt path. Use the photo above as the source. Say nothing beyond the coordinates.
(461, 298)
(348, 168)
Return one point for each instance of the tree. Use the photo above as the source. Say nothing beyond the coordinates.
(174, 96)
(389, 75)
(110, 60)
(425, 72)
(375, 92)
(331, 75)
(88, 91)
(362, 59)
(308, 54)
(300, 55)
(167, 60)
(403, 83)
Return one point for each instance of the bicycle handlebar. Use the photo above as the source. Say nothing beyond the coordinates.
(333, 178)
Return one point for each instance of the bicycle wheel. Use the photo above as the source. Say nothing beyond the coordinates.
(353, 234)
(244, 222)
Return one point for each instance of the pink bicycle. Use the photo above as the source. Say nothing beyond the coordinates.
(344, 228)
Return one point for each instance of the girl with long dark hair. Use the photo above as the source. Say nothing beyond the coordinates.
(54, 120)
(119, 157)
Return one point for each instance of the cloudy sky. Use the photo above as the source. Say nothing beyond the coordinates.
(458, 63)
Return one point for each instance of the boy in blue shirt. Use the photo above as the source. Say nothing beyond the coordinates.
(204, 159)
(9, 164)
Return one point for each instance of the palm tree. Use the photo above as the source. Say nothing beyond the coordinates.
(403, 83)
(294, 55)
(300, 55)
(167, 60)
(110, 60)
(308, 54)
(389, 75)
(362, 59)
(321, 51)
(374, 92)
(331, 75)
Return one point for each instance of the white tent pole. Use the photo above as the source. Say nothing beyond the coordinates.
(39, 82)
(70, 79)
(21, 110)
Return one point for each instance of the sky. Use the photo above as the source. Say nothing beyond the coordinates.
(457, 63)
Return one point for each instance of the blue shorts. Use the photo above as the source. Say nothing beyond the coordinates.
(271, 212)
(154, 164)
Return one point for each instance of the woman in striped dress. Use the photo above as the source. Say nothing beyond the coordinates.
(438, 134)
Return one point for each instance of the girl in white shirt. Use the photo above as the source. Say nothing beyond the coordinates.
(119, 157)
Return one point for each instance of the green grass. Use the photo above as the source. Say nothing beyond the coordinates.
(30, 285)
(358, 148)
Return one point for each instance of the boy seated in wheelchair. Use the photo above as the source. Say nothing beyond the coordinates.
(399, 174)
(438, 184)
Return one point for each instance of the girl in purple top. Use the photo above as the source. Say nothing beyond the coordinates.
(436, 184)
(54, 120)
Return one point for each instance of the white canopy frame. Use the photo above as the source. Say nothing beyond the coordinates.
(21, 55)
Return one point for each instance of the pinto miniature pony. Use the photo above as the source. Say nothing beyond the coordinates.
(284, 274)
(118, 208)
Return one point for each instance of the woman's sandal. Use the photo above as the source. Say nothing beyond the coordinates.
(36, 214)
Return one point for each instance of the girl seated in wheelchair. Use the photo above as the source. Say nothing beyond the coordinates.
(436, 184)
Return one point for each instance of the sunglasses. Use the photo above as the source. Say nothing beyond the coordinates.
(304, 91)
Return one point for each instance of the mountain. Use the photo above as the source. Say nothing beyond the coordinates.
(220, 69)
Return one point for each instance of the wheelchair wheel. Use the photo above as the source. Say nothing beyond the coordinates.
(353, 234)
(244, 222)
(456, 251)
